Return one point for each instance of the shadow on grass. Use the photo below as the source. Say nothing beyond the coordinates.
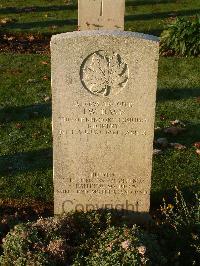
(26, 162)
(148, 2)
(23, 113)
(191, 135)
(43, 24)
(188, 137)
(34, 9)
(161, 15)
(177, 94)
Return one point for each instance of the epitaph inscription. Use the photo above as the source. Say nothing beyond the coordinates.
(103, 119)
(103, 73)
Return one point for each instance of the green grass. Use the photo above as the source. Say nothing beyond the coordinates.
(25, 126)
(54, 16)
(177, 98)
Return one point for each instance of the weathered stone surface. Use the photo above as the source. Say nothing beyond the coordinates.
(101, 14)
(104, 88)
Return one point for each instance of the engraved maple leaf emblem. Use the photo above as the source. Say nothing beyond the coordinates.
(103, 73)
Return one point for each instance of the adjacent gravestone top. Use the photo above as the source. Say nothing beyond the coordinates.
(101, 14)
(104, 88)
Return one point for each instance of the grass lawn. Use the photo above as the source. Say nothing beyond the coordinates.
(25, 107)
(54, 16)
(25, 125)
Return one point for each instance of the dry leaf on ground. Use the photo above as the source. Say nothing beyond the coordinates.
(10, 38)
(44, 63)
(45, 78)
(47, 99)
(19, 126)
(31, 38)
(198, 151)
(197, 145)
(178, 146)
(177, 122)
(5, 21)
(157, 152)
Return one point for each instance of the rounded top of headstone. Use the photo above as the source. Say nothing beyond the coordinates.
(113, 33)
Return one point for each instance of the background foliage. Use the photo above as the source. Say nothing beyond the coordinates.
(182, 37)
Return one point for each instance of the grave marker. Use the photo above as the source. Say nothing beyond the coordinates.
(101, 14)
(104, 90)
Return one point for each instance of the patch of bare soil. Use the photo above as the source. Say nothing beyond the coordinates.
(24, 44)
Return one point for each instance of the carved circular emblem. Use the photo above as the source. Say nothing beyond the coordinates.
(104, 73)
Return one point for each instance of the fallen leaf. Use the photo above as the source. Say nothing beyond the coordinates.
(178, 146)
(198, 99)
(19, 126)
(157, 152)
(158, 129)
(31, 81)
(45, 78)
(5, 21)
(31, 38)
(170, 19)
(197, 145)
(47, 99)
(198, 151)
(177, 122)
(174, 130)
(162, 117)
(11, 38)
(44, 63)
(163, 142)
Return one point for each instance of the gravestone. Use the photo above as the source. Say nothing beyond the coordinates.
(101, 14)
(104, 90)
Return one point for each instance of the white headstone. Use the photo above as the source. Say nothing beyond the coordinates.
(104, 91)
(101, 14)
